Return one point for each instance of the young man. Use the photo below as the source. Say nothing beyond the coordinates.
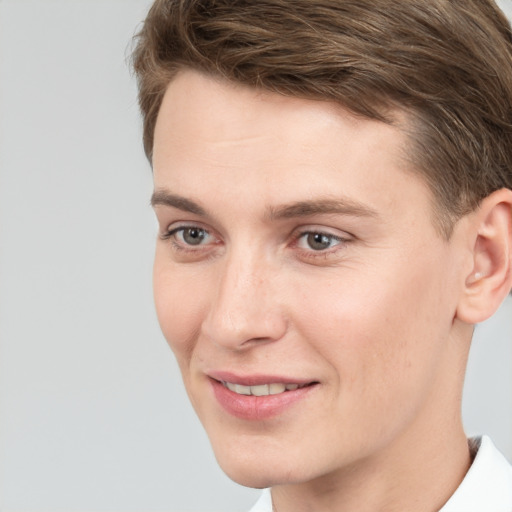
(333, 188)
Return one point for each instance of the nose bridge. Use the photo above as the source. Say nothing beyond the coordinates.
(245, 306)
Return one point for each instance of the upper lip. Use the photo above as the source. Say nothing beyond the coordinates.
(256, 379)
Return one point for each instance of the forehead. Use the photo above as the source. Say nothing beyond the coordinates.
(211, 133)
(215, 108)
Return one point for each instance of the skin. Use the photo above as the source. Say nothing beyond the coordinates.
(373, 318)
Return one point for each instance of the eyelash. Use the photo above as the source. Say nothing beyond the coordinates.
(307, 253)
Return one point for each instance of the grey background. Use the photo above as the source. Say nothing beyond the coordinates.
(93, 415)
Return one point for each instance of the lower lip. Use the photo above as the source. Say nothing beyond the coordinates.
(257, 408)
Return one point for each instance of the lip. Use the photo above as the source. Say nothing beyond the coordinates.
(257, 408)
(255, 380)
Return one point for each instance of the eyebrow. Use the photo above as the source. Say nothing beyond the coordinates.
(340, 206)
(162, 197)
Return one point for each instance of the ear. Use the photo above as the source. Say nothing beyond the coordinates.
(490, 279)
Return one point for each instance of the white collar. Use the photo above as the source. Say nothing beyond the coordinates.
(487, 486)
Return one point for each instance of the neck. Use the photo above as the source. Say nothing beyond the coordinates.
(397, 479)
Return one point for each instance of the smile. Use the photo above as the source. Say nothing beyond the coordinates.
(262, 389)
(259, 401)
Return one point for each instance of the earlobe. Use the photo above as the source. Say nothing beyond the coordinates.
(490, 279)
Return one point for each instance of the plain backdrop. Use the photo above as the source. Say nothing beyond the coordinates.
(93, 415)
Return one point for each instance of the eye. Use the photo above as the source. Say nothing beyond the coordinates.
(318, 241)
(191, 236)
(191, 243)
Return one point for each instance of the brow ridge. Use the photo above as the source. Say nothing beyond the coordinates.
(343, 206)
(165, 198)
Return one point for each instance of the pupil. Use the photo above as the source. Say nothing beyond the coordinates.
(318, 241)
(193, 236)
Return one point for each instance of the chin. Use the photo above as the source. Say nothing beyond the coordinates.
(258, 477)
(249, 479)
(257, 469)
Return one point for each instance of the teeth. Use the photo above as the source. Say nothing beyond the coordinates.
(262, 389)
(275, 389)
(242, 390)
(231, 387)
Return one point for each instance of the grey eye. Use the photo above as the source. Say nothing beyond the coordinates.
(193, 236)
(319, 241)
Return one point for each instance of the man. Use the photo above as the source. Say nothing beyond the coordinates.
(333, 189)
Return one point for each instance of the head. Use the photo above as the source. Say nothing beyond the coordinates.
(332, 184)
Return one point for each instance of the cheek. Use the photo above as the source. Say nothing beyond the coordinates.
(179, 301)
(378, 334)
(378, 342)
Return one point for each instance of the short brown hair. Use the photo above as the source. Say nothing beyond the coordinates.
(446, 63)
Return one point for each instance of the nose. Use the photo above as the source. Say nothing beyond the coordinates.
(246, 308)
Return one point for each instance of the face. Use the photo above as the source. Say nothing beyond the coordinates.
(300, 281)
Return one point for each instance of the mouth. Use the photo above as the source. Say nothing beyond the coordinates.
(274, 388)
(258, 397)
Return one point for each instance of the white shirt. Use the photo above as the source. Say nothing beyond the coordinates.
(487, 486)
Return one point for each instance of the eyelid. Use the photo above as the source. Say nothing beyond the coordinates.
(322, 230)
(173, 227)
